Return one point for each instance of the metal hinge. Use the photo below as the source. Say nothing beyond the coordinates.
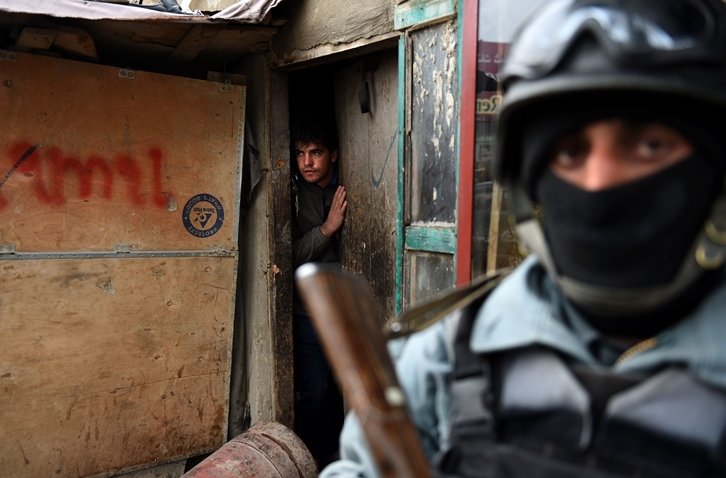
(7, 248)
(8, 55)
(126, 73)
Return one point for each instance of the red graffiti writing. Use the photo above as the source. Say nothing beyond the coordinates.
(53, 174)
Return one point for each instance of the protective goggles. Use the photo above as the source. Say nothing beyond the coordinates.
(655, 32)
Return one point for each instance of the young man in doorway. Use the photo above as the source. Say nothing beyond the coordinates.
(320, 203)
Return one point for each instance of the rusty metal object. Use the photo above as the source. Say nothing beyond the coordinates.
(265, 450)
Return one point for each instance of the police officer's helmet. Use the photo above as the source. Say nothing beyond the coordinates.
(670, 51)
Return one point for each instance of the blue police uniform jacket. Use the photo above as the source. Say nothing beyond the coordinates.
(538, 339)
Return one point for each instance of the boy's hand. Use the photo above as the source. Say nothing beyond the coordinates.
(336, 214)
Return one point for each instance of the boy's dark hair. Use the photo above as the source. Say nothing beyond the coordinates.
(314, 129)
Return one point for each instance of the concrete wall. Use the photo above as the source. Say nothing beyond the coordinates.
(317, 27)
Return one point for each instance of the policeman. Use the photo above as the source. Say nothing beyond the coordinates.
(602, 354)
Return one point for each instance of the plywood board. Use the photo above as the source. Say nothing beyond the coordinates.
(96, 158)
(107, 364)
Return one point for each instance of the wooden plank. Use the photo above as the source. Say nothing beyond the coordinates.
(36, 38)
(192, 44)
(434, 239)
(280, 272)
(494, 224)
(404, 154)
(102, 159)
(299, 58)
(76, 41)
(422, 12)
(369, 162)
(107, 364)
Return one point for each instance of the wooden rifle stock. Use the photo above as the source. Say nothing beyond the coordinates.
(343, 314)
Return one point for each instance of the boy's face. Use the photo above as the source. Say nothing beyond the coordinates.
(315, 163)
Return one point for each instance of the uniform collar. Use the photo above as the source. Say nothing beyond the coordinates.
(527, 309)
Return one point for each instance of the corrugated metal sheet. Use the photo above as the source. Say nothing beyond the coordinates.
(247, 11)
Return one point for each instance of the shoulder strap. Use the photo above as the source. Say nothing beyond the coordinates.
(471, 433)
(472, 386)
(421, 317)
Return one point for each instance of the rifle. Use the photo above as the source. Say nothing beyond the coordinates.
(343, 313)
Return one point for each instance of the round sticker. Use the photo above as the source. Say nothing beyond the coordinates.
(203, 215)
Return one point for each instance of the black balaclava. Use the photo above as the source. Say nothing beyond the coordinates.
(631, 235)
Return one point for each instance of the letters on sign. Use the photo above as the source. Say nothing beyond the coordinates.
(53, 174)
